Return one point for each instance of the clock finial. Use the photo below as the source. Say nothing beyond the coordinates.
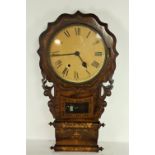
(78, 12)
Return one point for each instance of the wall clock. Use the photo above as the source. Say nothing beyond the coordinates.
(77, 61)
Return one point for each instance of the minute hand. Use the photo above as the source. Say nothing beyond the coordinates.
(54, 55)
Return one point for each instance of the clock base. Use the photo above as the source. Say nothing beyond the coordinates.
(76, 136)
(77, 148)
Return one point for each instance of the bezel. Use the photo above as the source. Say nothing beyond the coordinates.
(51, 40)
(79, 18)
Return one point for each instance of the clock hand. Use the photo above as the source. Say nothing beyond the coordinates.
(77, 53)
(88, 72)
(62, 54)
(84, 64)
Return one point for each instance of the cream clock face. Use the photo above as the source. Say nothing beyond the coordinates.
(77, 53)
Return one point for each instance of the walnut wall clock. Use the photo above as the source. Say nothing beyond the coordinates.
(77, 56)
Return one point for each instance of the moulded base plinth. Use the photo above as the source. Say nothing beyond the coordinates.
(77, 148)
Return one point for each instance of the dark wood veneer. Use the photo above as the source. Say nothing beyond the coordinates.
(77, 132)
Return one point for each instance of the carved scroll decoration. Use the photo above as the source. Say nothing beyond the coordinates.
(102, 103)
(48, 92)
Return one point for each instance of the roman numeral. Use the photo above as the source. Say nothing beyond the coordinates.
(98, 53)
(76, 75)
(88, 34)
(58, 63)
(95, 64)
(65, 71)
(96, 42)
(77, 31)
(67, 33)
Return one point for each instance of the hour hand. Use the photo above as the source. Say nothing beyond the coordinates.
(84, 64)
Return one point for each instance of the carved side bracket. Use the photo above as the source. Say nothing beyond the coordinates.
(107, 89)
(47, 89)
(47, 92)
(102, 103)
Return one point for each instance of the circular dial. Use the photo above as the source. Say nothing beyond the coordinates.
(77, 53)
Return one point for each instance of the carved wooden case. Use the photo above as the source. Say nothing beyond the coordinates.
(77, 131)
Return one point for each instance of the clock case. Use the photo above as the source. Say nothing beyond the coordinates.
(77, 130)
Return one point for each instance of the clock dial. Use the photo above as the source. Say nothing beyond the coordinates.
(77, 53)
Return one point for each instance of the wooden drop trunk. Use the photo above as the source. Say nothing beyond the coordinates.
(76, 136)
